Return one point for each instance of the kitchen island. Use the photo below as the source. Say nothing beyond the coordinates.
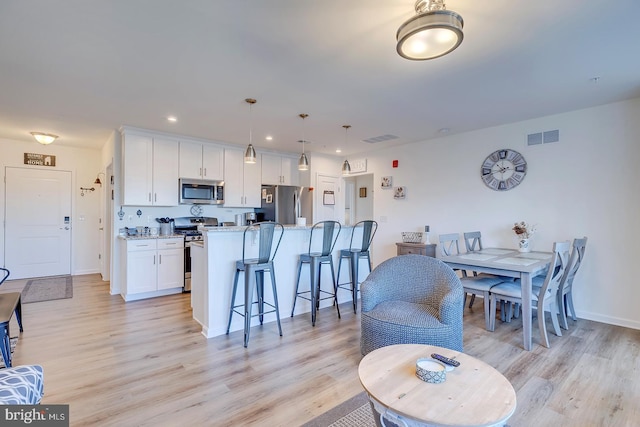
(213, 269)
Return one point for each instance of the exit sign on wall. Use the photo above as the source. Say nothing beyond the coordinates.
(35, 159)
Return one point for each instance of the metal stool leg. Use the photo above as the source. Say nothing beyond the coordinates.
(233, 298)
(295, 294)
(335, 288)
(313, 268)
(248, 297)
(275, 298)
(354, 279)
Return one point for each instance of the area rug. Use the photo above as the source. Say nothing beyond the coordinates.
(355, 412)
(47, 289)
(13, 341)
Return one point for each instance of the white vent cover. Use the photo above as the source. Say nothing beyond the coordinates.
(380, 138)
(543, 137)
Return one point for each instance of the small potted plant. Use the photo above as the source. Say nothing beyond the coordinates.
(524, 231)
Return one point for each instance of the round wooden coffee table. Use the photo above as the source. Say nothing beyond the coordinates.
(473, 394)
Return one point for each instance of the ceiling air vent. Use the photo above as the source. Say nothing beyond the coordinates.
(381, 138)
(543, 137)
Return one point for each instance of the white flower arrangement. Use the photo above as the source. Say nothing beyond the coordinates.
(524, 230)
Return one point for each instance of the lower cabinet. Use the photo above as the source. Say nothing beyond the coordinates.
(153, 267)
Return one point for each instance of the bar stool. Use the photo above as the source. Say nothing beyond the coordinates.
(268, 232)
(315, 261)
(353, 255)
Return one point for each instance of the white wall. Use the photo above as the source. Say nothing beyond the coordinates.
(84, 165)
(583, 185)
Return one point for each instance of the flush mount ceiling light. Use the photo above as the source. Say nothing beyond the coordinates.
(250, 153)
(44, 138)
(303, 163)
(346, 167)
(432, 33)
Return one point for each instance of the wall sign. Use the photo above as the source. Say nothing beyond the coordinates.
(34, 159)
(358, 165)
(328, 198)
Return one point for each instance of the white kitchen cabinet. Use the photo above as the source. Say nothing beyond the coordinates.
(150, 171)
(153, 267)
(242, 181)
(279, 170)
(201, 161)
(198, 283)
(170, 263)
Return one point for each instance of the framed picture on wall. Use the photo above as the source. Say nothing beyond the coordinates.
(399, 192)
(385, 182)
(363, 191)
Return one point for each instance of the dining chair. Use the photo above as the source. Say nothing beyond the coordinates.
(565, 294)
(473, 242)
(266, 233)
(544, 295)
(476, 284)
(322, 240)
(354, 253)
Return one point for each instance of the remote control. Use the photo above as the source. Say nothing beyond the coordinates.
(445, 360)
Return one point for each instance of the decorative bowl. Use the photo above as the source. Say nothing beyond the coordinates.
(412, 237)
(430, 370)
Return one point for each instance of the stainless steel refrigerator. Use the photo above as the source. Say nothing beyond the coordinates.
(284, 203)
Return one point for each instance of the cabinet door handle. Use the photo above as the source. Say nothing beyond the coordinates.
(200, 172)
(160, 259)
(155, 197)
(154, 260)
(149, 197)
(205, 171)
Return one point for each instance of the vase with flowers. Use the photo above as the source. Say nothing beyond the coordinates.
(524, 231)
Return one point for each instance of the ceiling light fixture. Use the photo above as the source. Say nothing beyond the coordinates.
(346, 167)
(250, 153)
(303, 163)
(431, 33)
(44, 138)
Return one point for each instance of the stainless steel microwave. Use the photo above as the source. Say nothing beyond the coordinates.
(197, 191)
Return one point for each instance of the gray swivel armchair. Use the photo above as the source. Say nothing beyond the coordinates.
(411, 299)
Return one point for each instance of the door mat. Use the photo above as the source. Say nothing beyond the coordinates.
(47, 289)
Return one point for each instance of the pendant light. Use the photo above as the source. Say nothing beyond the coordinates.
(250, 153)
(303, 163)
(346, 167)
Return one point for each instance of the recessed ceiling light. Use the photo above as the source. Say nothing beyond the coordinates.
(269, 138)
(338, 150)
(172, 119)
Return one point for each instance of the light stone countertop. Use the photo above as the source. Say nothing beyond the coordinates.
(148, 236)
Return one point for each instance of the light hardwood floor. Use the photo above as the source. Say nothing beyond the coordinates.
(146, 363)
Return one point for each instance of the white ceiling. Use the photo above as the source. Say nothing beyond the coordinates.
(81, 69)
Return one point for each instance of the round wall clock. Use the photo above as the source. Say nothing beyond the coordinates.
(196, 210)
(503, 169)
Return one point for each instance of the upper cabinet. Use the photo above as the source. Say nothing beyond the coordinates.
(279, 170)
(242, 184)
(201, 160)
(150, 170)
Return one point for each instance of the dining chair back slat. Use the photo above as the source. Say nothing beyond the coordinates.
(565, 294)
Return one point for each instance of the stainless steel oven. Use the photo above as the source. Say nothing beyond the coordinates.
(188, 226)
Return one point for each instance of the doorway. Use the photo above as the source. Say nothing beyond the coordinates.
(37, 222)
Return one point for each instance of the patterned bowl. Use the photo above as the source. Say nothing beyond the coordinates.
(431, 370)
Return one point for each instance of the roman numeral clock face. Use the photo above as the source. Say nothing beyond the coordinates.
(503, 169)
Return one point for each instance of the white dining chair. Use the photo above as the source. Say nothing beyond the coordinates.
(544, 295)
(476, 284)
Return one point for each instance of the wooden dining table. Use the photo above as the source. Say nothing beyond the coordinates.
(509, 263)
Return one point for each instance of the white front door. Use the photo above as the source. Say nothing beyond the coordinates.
(38, 222)
(327, 201)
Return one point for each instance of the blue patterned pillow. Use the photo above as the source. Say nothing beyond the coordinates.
(21, 385)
